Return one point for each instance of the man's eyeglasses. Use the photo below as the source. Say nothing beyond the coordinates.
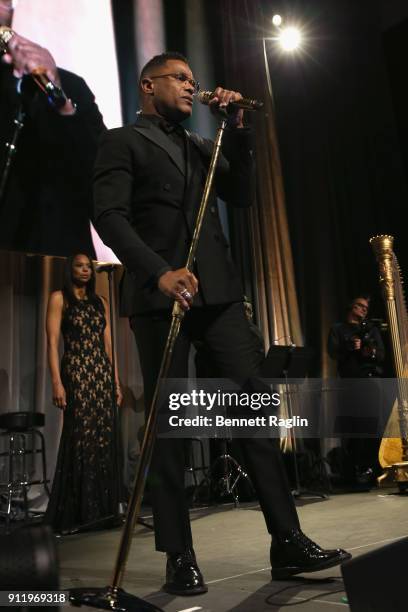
(360, 305)
(180, 76)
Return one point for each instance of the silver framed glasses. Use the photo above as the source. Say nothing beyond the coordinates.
(182, 77)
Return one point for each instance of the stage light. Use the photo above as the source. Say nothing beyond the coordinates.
(277, 20)
(290, 38)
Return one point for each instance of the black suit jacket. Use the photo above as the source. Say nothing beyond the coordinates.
(146, 197)
(48, 200)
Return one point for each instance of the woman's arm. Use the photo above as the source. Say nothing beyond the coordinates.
(108, 349)
(53, 326)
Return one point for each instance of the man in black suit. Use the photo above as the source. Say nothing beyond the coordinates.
(149, 179)
(46, 205)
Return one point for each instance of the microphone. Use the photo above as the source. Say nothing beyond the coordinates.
(55, 95)
(6, 34)
(106, 267)
(246, 103)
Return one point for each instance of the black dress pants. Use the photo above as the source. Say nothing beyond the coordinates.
(234, 349)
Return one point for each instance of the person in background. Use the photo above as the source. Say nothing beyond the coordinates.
(86, 487)
(356, 343)
(149, 178)
(357, 347)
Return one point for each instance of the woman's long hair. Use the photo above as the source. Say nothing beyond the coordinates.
(68, 287)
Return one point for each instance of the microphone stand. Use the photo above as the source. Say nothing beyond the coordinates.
(113, 597)
(298, 491)
(56, 98)
(11, 150)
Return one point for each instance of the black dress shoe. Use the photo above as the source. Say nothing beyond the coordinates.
(294, 553)
(183, 576)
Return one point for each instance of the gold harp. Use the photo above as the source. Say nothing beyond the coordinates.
(393, 453)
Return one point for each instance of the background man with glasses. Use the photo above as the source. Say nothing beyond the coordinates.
(356, 343)
(149, 179)
(357, 346)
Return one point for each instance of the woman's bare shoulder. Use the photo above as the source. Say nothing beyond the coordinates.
(56, 298)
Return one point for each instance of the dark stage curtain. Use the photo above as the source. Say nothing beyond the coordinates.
(396, 52)
(342, 165)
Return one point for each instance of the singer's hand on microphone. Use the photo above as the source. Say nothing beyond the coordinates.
(221, 99)
(26, 56)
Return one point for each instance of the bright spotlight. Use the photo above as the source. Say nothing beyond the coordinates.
(290, 38)
(277, 20)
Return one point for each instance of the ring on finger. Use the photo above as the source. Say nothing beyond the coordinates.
(186, 294)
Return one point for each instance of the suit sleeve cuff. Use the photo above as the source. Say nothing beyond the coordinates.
(156, 276)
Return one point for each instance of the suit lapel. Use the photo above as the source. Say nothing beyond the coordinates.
(155, 135)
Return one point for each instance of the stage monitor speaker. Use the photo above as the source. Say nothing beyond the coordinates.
(29, 560)
(377, 581)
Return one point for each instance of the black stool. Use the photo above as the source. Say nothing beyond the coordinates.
(21, 429)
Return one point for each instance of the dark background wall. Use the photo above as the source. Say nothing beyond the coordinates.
(392, 12)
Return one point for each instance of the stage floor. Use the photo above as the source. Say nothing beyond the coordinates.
(232, 548)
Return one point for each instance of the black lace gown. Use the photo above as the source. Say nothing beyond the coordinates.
(85, 492)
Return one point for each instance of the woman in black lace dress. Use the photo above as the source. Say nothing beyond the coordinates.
(85, 492)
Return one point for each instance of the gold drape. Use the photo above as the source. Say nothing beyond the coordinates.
(276, 291)
(277, 305)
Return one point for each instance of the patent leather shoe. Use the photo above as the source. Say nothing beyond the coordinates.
(294, 553)
(183, 576)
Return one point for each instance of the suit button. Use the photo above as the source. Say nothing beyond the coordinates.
(167, 187)
(213, 210)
